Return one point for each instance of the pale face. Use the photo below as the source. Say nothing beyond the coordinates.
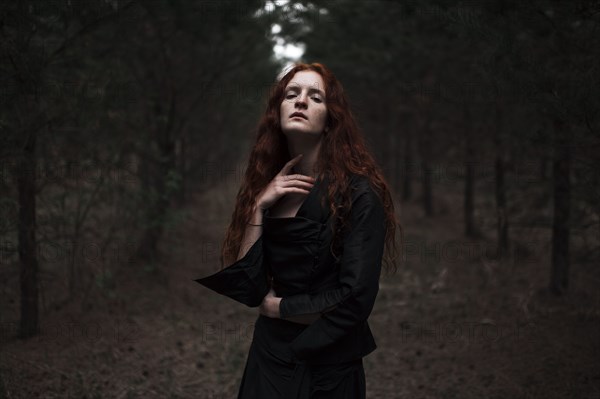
(304, 94)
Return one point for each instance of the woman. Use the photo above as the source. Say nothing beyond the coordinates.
(306, 240)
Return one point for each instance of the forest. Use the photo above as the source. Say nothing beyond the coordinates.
(125, 130)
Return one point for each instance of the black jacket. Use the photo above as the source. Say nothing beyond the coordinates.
(296, 253)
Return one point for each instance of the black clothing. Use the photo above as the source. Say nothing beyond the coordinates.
(296, 252)
(266, 376)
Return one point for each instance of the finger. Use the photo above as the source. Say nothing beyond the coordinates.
(301, 181)
(289, 190)
(298, 179)
(290, 164)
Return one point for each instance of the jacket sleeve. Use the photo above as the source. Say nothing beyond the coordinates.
(360, 269)
(295, 305)
(244, 281)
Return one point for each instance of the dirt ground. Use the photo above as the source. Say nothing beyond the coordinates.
(452, 323)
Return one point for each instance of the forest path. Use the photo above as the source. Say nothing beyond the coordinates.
(452, 323)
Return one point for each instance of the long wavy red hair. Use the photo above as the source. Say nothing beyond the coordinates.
(343, 152)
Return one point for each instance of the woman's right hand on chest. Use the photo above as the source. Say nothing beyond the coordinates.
(284, 183)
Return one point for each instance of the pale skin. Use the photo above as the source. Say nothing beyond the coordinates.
(305, 95)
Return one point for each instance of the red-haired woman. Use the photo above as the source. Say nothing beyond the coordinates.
(307, 239)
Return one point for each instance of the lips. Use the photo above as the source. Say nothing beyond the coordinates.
(300, 114)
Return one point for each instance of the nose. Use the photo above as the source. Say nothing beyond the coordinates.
(301, 101)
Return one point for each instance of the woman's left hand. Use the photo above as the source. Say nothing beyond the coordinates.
(270, 305)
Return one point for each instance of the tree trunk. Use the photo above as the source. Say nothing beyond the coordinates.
(561, 163)
(468, 205)
(26, 182)
(469, 193)
(393, 159)
(543, 167)
(156, 183)
(501, 208)
(182, 168)
(408, 165)
(425, 155)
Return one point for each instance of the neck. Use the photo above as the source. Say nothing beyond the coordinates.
(310, 150)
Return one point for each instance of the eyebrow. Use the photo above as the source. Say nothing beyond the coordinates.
(310, 90)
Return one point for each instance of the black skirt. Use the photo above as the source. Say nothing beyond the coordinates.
(268, 375)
